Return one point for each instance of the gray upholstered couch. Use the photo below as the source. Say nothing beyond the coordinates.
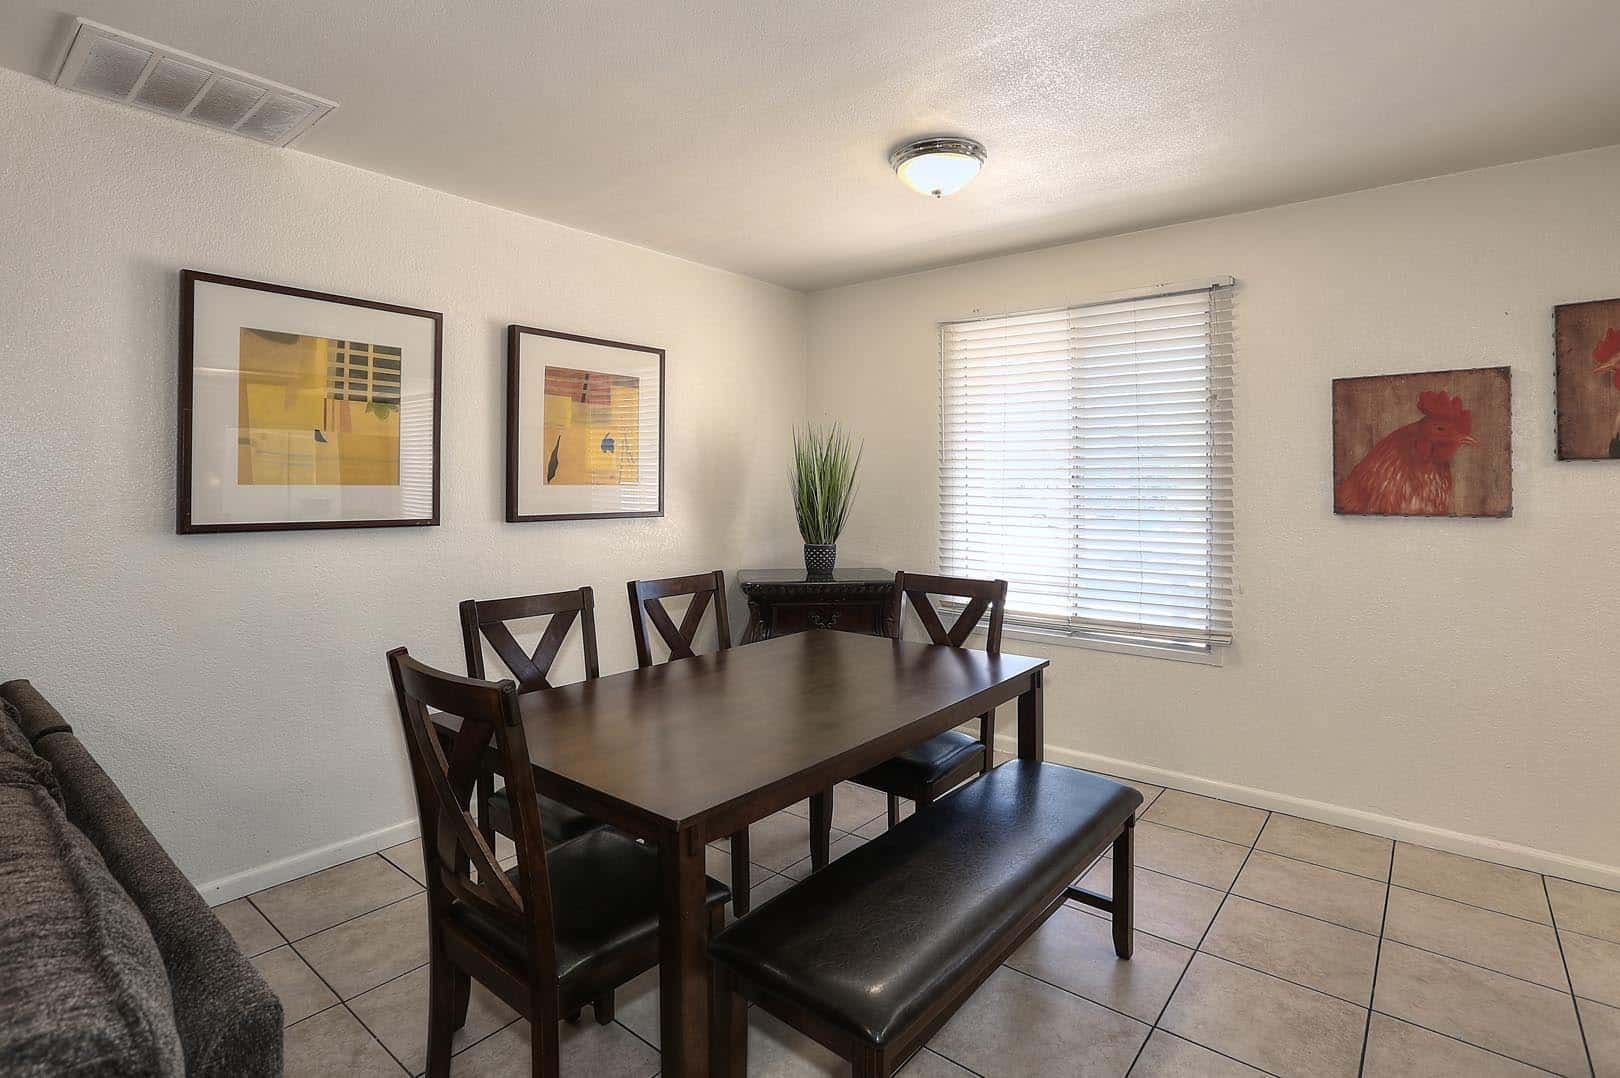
(110, 961)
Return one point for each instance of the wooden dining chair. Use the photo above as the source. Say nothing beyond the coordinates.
(489, 619)
(924, 772)
(708, 589)
(561, 929)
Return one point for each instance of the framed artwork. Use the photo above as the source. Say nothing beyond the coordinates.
(302, 409)
(1437, 444)
(584, 427)
(1586, 339)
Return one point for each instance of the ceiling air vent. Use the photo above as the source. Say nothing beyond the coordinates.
(122, 67)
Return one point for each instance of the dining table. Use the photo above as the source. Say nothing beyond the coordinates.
(691, 751)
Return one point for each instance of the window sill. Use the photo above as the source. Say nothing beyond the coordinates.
(1215, 655)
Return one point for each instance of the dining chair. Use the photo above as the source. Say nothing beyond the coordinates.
(564, 927)
(706, 589)
(924, 772)
(489, 618)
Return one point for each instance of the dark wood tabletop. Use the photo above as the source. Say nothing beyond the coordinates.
(677, 745)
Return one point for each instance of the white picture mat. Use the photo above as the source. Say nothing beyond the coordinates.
(534, 497)
(219, 313)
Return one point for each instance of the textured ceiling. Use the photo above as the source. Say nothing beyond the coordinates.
(753, 134)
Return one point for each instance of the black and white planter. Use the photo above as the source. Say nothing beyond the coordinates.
(819, 559)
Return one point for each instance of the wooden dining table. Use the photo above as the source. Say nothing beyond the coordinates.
(692, 751)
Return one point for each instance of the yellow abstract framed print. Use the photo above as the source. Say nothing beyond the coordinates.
(302, 409)
(584, 427)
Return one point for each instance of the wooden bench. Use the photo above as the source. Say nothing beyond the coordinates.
(873, 954)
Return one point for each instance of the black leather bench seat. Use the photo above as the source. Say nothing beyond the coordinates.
(924, 902)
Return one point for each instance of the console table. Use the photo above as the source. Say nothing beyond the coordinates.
(783, 601)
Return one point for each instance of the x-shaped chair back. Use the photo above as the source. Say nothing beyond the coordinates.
(646, 606)
(980, 595)
(489, 617)
(458, 859)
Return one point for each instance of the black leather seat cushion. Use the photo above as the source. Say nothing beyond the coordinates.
(925, 763)
(604, 895)
(868, 942)
(558, 822)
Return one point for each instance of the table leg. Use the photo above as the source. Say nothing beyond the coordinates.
(1032, 721)
(683, 971)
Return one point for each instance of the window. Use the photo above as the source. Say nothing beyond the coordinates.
(1086, 458)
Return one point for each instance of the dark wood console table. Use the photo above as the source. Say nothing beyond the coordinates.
(783, 601)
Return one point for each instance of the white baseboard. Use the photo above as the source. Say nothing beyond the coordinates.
(216, 892)
(1486, 849)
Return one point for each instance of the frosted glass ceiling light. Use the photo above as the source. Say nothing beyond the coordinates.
(937, 166)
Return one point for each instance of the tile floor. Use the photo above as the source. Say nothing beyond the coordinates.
(1265, 944)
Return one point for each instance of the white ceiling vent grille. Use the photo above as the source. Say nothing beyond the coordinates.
(112, 64)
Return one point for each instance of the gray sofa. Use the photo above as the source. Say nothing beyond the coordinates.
(110, 961)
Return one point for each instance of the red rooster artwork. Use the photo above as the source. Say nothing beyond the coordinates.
(1413, 445)
(1587, 338)
(1409, 472)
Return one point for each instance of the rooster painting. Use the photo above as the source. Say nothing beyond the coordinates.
(1587, 336)
(1410, 470)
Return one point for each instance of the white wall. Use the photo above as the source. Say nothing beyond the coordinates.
(1452, 681)
(234, 685)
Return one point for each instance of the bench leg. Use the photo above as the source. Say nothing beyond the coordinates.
(869, 1062)
(894, 810)
(728, 1028)
(739, 872)
(1124, 887)
(821, 810)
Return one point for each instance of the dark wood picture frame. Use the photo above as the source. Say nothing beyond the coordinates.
(514, 337)
(184, 525)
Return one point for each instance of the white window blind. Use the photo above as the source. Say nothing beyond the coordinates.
(1086, 458)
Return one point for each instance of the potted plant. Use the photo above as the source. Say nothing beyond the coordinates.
(823, 483)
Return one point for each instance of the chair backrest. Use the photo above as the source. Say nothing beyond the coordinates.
(489, 617)
(981, 595)
(645, 606)
(459, 863)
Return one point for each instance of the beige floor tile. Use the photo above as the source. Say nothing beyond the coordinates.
(874, 829)
(1602, 1025)
(608, 1051)
(335, 1043)
(359, 955)
(323, 899)
(1327, 957)
(1594, 967)
(252, 933)
(1324, 844)
(780, 840)
(765, 890)
(1168, 1056)
(1397, 1049)
(635, 1004)
(1591, 911)
(1493, 940)
(1197, 858)
(1207, 816)
(294, 983)
(778, 1050)
(1268, 1023)
(1076, 952)
(397, 1014)
(1166, 907)
(841, 844)
(1465, 879)
(1326, 893)
(927, 1064)
(1016, 1025)
(407, 857)
(1515, 1018)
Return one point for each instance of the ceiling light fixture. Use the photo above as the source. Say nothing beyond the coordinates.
(937, 166)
